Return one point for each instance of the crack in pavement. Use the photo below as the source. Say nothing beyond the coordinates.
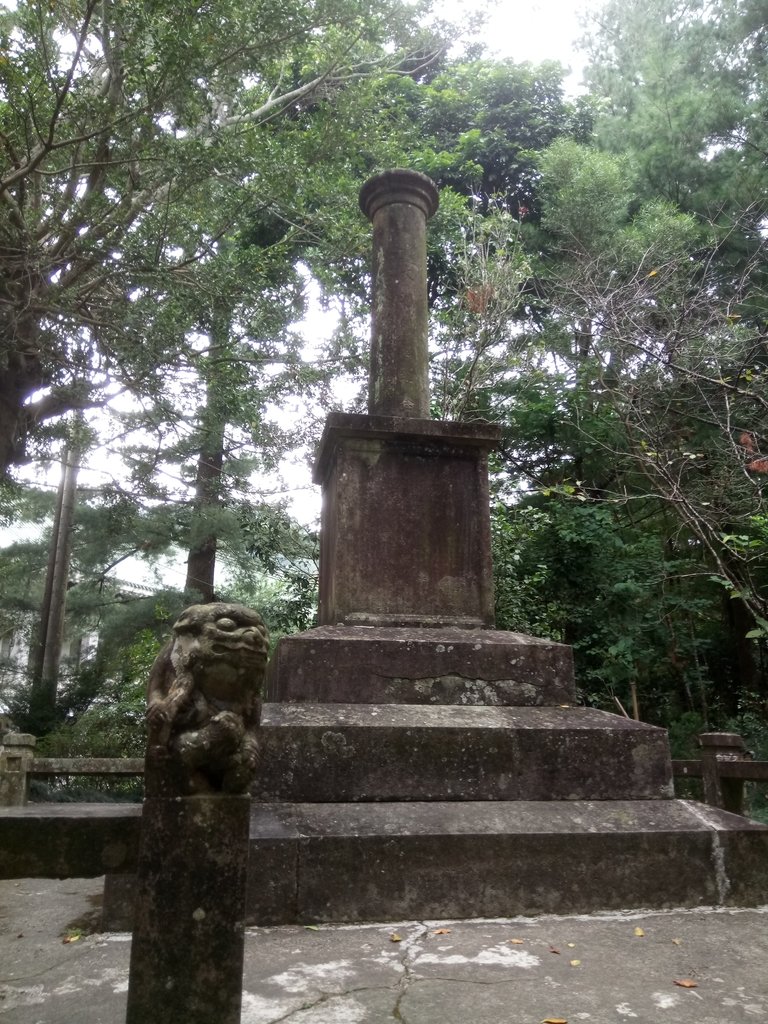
(414, 947)
(326, 997)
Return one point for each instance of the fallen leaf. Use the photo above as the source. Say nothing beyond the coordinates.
(394, 937)
(555, 1020)
(571, 945)
(575, 963)
(516, 942)
(677, 942)
(553, 950)
(311, 928)
(639, 932)
(20, 935)
(442, 931)
(75, 938)
(687, 983)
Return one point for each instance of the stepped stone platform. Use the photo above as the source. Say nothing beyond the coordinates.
(379, 665)
(447, 772)
(381, 752)
(367, 811)
(325, 862)
(384, 861)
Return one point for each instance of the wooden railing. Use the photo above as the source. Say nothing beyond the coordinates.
(725, 766)
(86, 766)
(18, 765)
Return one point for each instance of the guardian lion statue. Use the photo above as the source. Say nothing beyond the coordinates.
(204, 702)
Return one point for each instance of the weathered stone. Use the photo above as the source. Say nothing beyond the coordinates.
(68, 840)
(130, 766)
(203, 711)
(405, 536)
(204, 701)
(273, 867)
(188, 938)
(118, 903)
(271, 882)
(398, 202)
(718, 747)
(16, 753)
(333, 752)
(368, 664)
(368, 862)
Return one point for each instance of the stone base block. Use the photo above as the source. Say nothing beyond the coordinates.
(384, 862)
(383, 665)
(68, 840)
(312, 863)
(405, 536)
(380, 752)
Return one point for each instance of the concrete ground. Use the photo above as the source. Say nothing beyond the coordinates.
(598, 969)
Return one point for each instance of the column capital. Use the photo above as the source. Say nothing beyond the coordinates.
(399, 186)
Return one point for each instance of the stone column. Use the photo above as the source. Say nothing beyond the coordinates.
(399, 203)
(188, 934)
(16, 755)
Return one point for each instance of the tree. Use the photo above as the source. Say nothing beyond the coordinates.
(642, 420)
(134, 138)
(682, 91)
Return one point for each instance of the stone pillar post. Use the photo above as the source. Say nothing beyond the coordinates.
(202, 747)
(16, 754)
(728, 794)
(188, 933)
(399, 203)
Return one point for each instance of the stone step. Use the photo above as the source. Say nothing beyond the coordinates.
(371, 752)
(398, 665)
(388, 862)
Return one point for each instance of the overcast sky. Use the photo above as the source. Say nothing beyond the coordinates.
(534, 31)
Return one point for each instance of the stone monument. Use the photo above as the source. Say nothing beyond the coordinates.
(405, 539)
(406, 741)
(203, 714)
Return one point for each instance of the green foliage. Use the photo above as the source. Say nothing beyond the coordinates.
(136, 140)
(110, 724)
(593, 575)
(587, 194)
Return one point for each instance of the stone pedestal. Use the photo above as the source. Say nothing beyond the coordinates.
(188, 939)
(405, 535)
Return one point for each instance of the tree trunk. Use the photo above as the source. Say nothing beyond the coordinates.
(47, 655)
(15, 385)
(201, 561)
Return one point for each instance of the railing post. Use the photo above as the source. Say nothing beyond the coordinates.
(16, 754)
(728, 794)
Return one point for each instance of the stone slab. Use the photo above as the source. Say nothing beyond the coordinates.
(340, 425)
(380, 752)
(68, 840)
(420, 666)
(345, 861)
(449, 971)
(387, 861)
